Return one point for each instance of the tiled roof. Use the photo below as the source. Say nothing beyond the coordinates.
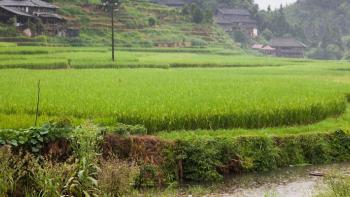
(286, 42)
(15, 11)
(171, 2)
(48, 15)
(221, 20)
(9, 6)
(26, 3)
(227, 11)
(268, 48)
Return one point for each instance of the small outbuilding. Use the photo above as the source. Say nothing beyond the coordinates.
(288, 47)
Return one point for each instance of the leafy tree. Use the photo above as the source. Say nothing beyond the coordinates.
(152, 21)
(267, 34)
(197, 15)
(240, 37)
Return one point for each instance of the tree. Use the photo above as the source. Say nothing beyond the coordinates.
(111, 6)
(240, 37)
(269, 9)
(197, 15)
(152, 22)
(267, 34)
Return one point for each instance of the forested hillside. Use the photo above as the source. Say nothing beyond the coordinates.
(324, 25)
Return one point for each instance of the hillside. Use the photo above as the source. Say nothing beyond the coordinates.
(139, 24)
(324, 27)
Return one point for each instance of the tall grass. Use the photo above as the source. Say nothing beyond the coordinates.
(337, 186)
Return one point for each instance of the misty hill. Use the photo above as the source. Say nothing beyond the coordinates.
(324, 25)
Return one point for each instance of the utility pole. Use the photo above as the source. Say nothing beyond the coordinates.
(111, 6)
(112, 13)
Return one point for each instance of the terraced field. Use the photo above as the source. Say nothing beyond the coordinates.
(256, 93)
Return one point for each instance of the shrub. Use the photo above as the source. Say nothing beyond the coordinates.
(198, 160)
(7, 30)
(116, 177)
(50, 178)
(84, 181)
(148, 176)
(33, 139)
(257, 153)
(123, 129)
(152, 22)
(197, 42)
(7, 179)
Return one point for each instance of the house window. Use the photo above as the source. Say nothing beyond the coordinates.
(27, 9)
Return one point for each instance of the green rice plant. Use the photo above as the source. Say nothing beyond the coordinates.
(7, 44)
(167, 99)
(215, 91)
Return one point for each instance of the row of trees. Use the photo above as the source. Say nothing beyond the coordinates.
(324, 26)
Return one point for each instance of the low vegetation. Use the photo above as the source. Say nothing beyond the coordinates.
(92, 160)
(337, 186)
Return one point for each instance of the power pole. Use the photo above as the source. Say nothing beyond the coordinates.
(112, 13)
(111, 6)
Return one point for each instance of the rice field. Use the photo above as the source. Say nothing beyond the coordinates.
(83, 58)
(234, 91)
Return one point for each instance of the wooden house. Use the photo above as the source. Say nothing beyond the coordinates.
(231, 19)
(25, 12)
(288, 47)
(174, 3)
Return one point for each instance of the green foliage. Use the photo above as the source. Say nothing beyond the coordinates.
(257, 153)
(123, 129)
(50, 178)
(152, 22)
(323, 24)
(7, 30)
(197, 13)
(83, 182)
(267, 34)
(240, 37)
(148, 176)
(34, 138)
(337, 186)
(199, 160)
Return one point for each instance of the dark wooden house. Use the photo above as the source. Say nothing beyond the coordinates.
(174, 3)
(236, 20)
(288, 47)
(25, 12)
